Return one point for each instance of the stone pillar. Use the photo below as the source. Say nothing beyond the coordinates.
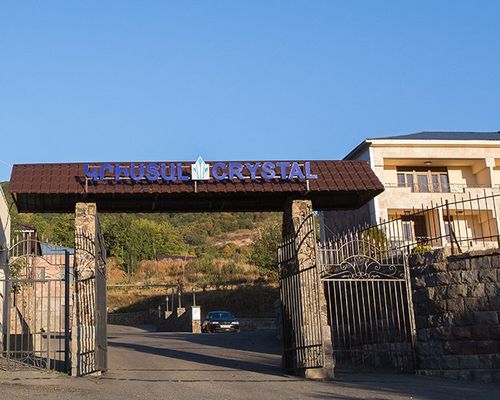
(295, 212)
(83, 321)
(490, 163)
(86, 224)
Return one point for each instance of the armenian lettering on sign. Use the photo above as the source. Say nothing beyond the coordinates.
(201, 171)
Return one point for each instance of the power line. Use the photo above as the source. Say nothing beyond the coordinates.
(6, 163)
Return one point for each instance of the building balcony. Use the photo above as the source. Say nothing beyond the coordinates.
(404, 198)
(450, 189)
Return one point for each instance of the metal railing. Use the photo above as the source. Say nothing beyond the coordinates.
(430, 188)
(463, 223)
(36, 301)
(369, 304)
(300, 299)
(366, 278)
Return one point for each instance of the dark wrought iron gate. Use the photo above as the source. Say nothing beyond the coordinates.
(101, 306)
(300, 301)
(36, 301)
(369, 303)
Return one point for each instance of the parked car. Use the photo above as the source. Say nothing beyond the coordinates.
(220, 321)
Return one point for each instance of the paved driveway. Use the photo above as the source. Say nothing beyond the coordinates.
(149, 365)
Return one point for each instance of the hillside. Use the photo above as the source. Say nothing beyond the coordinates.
(223, 249)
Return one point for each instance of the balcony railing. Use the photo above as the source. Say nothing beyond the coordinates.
(462, 223)
(452, 188)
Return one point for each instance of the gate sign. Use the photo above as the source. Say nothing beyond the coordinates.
(201, 171)
(196, 313)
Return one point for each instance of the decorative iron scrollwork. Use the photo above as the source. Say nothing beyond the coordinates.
(361, 266)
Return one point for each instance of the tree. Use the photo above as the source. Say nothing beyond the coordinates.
(264, 250)
(134, 238)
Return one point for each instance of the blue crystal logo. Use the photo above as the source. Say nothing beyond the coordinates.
(200, 170)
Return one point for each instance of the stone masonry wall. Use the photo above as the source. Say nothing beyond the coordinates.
(457, 312)
(130, 318)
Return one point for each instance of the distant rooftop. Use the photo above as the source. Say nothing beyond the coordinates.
(445, 136)
(54, 249)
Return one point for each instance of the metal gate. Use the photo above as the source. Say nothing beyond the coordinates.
(300, 301)
(369, 303)
(91, 310)
(101, 306)
(35, 290)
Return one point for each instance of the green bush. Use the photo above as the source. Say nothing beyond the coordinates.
(376, 236)
(421, 248)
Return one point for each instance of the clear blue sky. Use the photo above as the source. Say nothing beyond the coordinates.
(163, 80)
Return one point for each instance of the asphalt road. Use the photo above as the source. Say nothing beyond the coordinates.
(148, 365)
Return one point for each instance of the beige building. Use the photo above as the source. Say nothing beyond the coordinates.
(422, 170)
(4, 224)
(4, 243)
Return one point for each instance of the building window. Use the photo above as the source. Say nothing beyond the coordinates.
(401, 180)
(424, 180)
(422, 183)
(445, 185)
(407, 230)
(448, 227)
(414, 228)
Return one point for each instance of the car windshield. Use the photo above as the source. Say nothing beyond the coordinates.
(220, 315)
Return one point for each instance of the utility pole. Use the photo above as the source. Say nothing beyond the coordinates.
(156, 259)
(123, 262)
(128, 266)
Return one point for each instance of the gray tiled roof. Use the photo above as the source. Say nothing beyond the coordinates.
(445, 136)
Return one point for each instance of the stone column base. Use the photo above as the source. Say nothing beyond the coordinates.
(319, 374)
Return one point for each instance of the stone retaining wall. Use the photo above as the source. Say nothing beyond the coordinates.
(457, 312)
(255, 324)
(129, 318)
(180, 320)
(181, 324)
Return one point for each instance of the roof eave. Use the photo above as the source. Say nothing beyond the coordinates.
(365, 143)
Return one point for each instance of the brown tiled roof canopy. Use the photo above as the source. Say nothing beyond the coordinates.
(57, 187)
